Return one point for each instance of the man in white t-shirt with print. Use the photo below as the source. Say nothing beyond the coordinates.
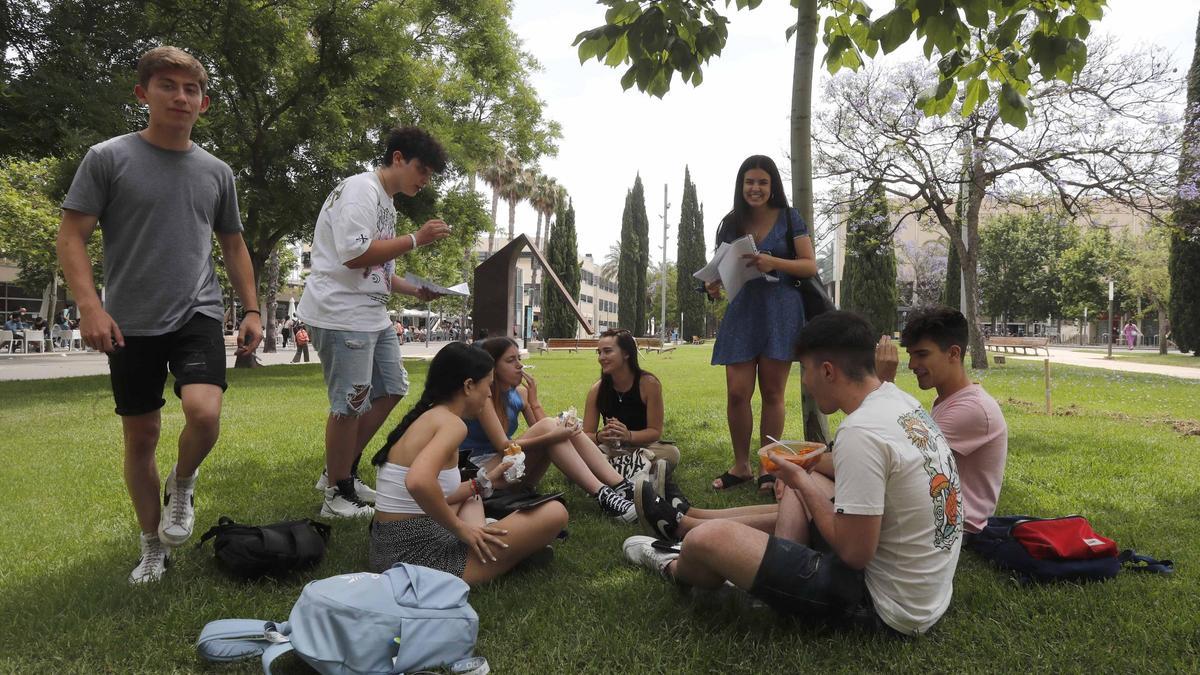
(884, 550)
(345, 307)
(936, 341)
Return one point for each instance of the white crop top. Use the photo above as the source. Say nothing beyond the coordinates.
(391, 494)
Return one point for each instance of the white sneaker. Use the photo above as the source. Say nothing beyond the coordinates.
(178, 511)
(365, 493)
(338, 505)
(639, 550)
(153, 564)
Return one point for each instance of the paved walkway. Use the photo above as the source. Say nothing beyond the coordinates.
(77, 364)
(1074, 356)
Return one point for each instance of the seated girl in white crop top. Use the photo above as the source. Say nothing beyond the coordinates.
(423, 514)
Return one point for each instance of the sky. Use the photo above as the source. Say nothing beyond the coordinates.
(610, 136)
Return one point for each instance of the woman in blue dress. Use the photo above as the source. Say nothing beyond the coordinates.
(758, 334)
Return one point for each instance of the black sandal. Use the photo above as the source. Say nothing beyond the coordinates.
(766, 483)
(729, 480)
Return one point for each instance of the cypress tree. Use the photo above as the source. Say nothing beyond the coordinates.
(641, 225)
(1184, 262)
(689, 258)
(627, 275)
(869, 278)
(563, 256)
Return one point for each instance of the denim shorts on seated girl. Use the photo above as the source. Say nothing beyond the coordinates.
(359, 367)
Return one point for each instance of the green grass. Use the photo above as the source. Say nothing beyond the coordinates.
(1117, 451)
(1170, 359)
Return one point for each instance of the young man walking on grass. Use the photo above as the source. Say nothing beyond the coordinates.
(158, 199)
(345, 307)
(883, 552)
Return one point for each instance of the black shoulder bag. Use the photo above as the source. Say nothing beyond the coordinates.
(250, 551)
(812, 291)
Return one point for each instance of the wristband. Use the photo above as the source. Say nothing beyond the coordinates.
(251, 311)
(414, 240)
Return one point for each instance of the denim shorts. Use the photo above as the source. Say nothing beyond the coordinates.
(796, 580)
(359, 367)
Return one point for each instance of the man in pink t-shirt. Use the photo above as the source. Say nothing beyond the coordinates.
(970, 419)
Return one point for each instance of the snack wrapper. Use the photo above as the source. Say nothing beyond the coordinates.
(568, 417)
(516, 456)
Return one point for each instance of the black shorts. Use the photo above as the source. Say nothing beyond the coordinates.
(195, 354)
(797, 580)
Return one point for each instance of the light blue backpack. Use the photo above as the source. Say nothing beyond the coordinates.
(407, 618)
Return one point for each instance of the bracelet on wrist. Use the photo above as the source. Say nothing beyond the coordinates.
(251, 311)
(413, 237)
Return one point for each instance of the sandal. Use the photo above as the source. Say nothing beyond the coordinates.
(766, 483)
(728, 480)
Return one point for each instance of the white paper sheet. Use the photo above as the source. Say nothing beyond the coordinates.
(732, 266)
(461, 290)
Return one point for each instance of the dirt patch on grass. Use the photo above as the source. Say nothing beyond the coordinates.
(1181, 427)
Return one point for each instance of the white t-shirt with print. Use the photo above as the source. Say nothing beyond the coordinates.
(357, 212)
(890, 459)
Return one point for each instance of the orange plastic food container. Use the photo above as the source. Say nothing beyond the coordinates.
(796, 452)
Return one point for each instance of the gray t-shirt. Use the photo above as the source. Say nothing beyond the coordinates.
(157, 212)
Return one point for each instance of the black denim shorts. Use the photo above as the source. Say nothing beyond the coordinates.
(195, 354)
(796, 580)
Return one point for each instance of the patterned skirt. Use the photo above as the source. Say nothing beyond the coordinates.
(416, 541)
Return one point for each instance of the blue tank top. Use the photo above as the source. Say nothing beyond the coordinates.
(477, 442)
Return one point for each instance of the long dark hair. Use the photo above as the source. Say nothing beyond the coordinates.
(495, 347)
(628, 346)
(451, 367)
(731, 225)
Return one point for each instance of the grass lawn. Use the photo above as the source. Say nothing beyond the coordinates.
(1172, 358)
(1122, 449)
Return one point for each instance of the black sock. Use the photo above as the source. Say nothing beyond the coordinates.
(623, 486)
(354, 466)
(345, 486)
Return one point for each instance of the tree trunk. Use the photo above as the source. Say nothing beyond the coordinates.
(272, 302)
(537, 243)
(492, 233)
(512, 217)
(816, 426)
(1162, 327)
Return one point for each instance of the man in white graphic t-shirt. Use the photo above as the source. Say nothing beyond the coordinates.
(883, 551)
(345, 307)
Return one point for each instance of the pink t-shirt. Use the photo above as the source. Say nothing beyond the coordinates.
(971, 421)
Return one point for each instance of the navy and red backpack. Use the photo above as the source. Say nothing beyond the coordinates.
(1057, 549)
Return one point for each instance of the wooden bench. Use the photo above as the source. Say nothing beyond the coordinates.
(1007, 345)
(571, 344)
(654, 345)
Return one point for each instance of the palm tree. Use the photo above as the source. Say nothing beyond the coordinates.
(545, 200)
(612, 262)
(517, 183)
(493, 175)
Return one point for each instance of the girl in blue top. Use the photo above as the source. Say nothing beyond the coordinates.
(758, 334)
(547, 441)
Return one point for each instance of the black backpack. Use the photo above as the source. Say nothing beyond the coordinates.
(250, 552)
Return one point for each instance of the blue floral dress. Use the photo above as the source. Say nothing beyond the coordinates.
(765, 318)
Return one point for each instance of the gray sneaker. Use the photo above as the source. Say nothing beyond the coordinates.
(153, 564)
(178, 511)
(640, 550)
